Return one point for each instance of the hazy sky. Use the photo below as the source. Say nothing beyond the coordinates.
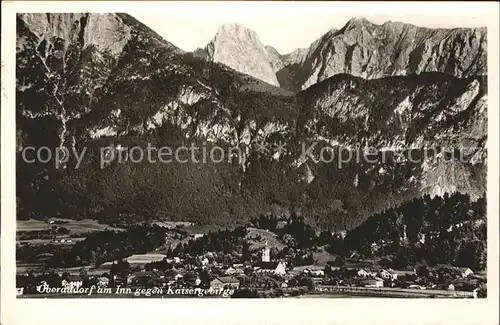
(289, 25)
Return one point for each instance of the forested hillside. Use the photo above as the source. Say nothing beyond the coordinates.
(441, 230)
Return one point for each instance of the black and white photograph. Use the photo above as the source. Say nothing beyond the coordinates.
(245, 154)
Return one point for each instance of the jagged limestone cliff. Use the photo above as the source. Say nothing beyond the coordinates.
(367, 50)
(240, 48)
(360, 48)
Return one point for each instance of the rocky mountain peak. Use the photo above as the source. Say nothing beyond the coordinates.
(236, 30)
(241, 49)
(297, 56)
(372, 51)
(358, 22)
(360, 48)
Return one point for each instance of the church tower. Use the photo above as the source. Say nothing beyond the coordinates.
(266, 254)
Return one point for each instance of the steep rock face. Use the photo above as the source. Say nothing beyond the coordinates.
(402, 111)
(296, 57)
(360, 48)
(274, 58)
(105, 32)
(367, 50)
(439, 120)
(240, 48)
(64, 62)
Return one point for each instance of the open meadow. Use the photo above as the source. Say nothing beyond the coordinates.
(75, 226)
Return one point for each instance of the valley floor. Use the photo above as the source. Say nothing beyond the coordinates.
(162, 258)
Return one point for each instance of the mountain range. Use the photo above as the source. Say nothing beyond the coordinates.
(360, 48)
(107, 80)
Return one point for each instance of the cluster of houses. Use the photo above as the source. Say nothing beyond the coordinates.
(376, 278)
(184, 274)
(394, 278)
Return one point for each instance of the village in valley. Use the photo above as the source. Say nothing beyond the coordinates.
(245, 262)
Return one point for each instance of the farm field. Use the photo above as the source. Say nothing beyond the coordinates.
(75, 226)
(172, 224)
(40, 268)
(49, 241)
(144, 258)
